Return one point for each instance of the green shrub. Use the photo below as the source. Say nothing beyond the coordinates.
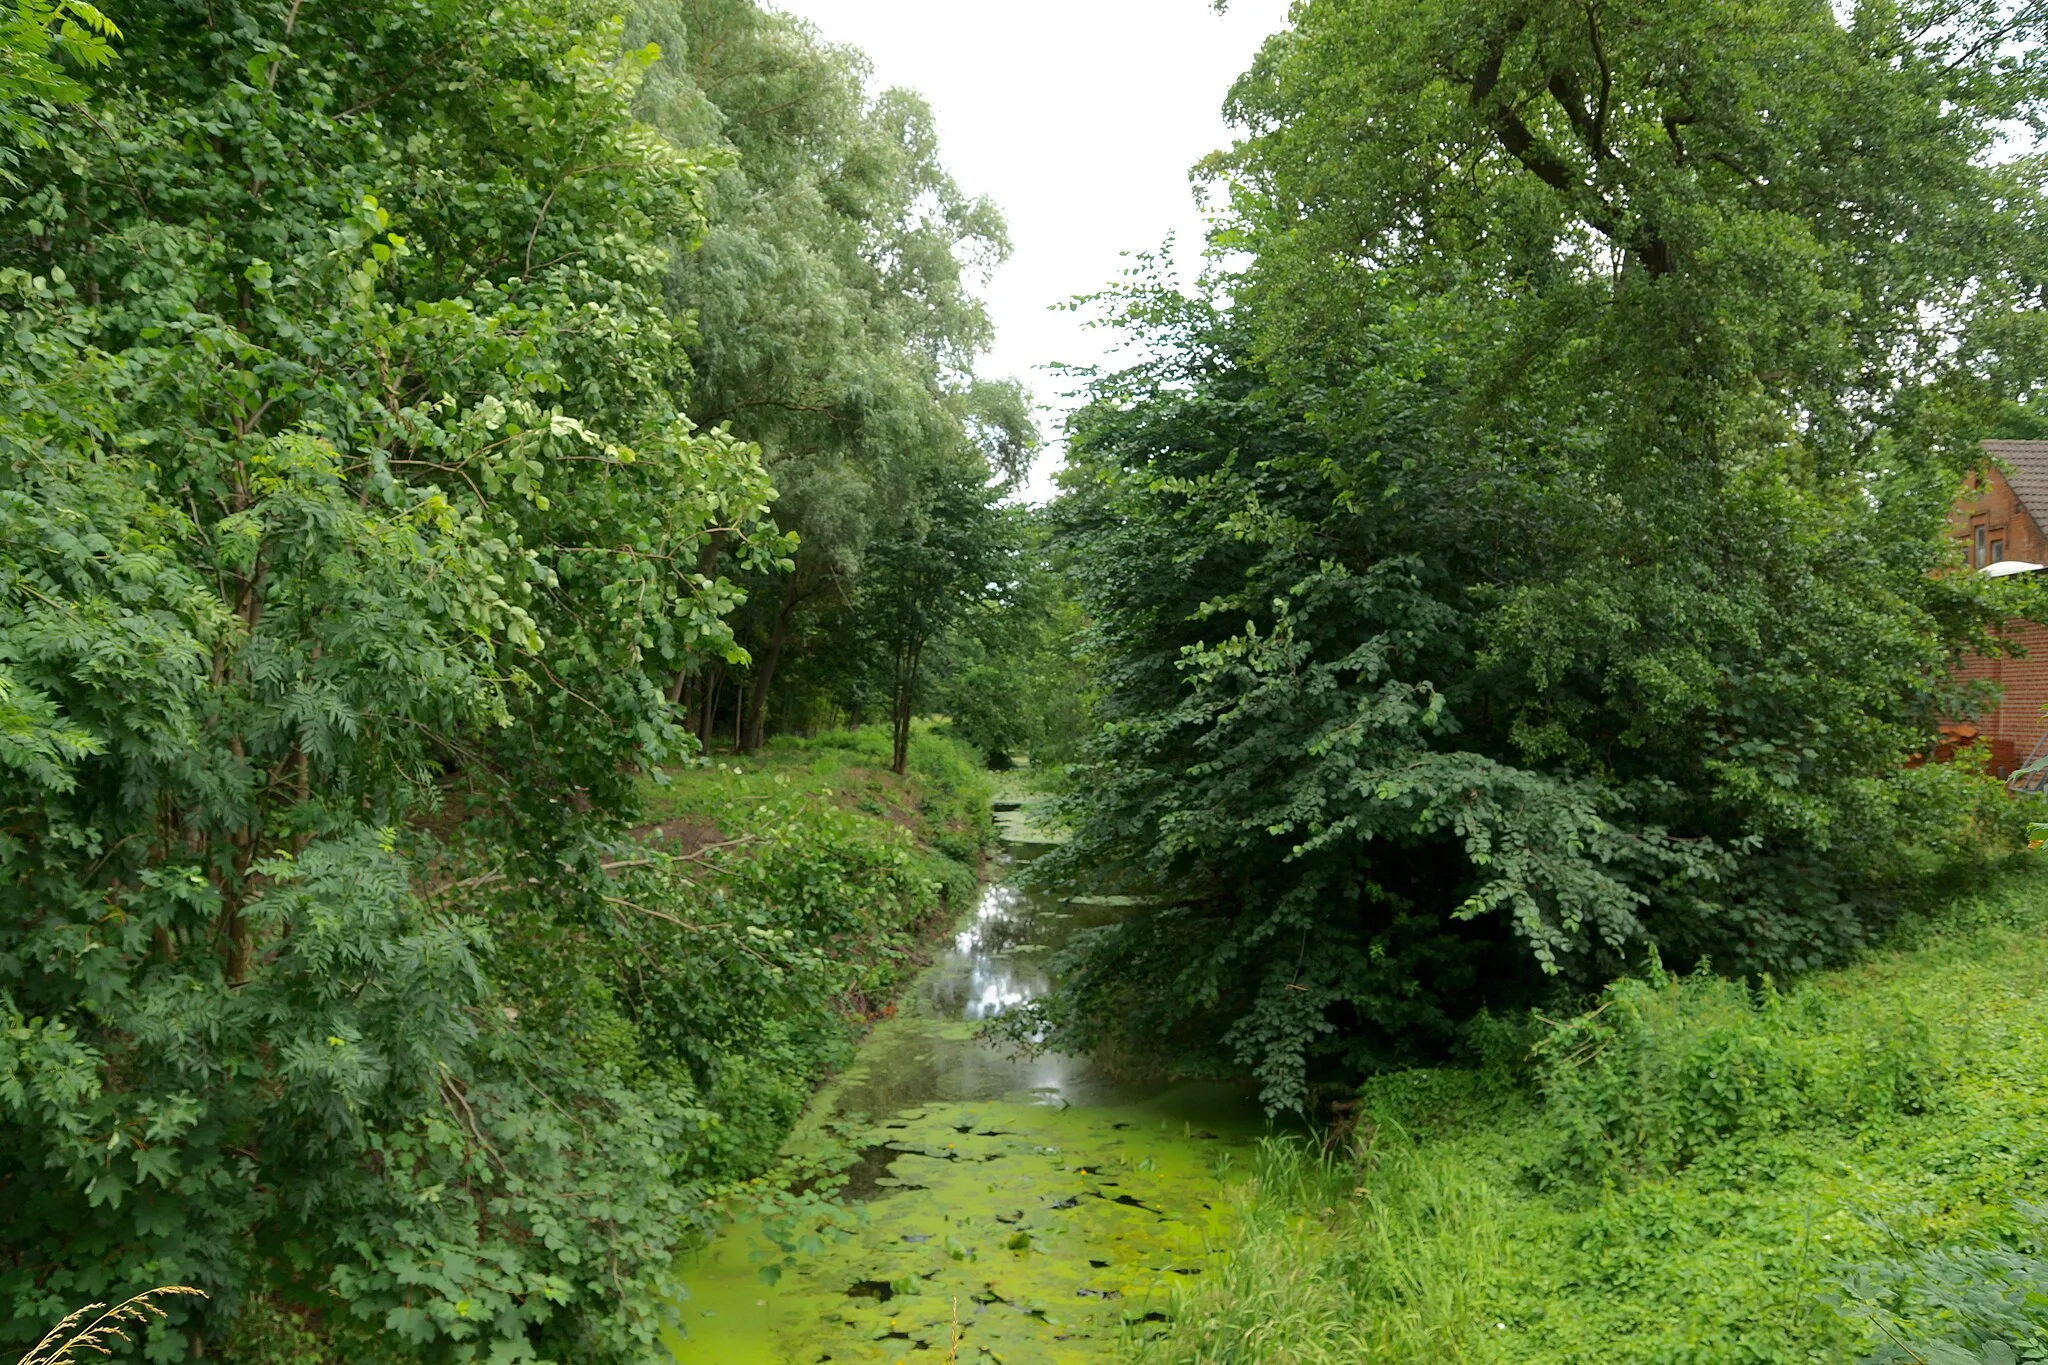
(748, 966)
(1666, 1067)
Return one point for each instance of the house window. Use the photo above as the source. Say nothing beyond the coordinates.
(1998, 551)
(1980, 561)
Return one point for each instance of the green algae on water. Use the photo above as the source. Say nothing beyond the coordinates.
(975, 1206)
(1014, 1231)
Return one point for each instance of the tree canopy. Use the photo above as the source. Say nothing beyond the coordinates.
(396, 400)
(836, 325)
(1527, 548)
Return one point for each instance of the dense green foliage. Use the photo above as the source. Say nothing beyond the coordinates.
(429, 430)
(1012, 680)
(1690, 1172)
(355, 524)
(1529, 549)
(781, 902)
(38, 40)
(838, 328)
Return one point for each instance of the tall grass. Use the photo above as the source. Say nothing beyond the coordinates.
(96, 1328)
(1384, 1253)
(1694, 1172)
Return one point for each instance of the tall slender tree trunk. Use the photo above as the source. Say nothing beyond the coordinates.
(764, 667)
(699, 689)
(899, 758)
(707, 710)
(907, 668)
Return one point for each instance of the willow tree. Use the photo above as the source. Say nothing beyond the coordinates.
(833, 306)
(1534, 553)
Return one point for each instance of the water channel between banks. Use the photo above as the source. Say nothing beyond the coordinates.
(1028, 1212)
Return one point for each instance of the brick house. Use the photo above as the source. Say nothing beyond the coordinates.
(1999, 518)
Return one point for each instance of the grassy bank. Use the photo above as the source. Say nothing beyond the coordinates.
(835, 872)
(940, 805)
(1692, 1171)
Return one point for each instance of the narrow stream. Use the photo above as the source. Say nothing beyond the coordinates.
(995, 1209)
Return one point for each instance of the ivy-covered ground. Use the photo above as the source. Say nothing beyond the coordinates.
(1852, 1169)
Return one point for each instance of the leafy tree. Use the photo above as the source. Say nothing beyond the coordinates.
(836, 323)
(341, 474)
(1010, 679)
(1535, 550)
(929, 567)
(32, 85)
(373, 462)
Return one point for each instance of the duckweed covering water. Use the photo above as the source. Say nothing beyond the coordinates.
(981, 1207)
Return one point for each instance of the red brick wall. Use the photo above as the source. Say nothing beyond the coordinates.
(2018, 724)
(1988, 502)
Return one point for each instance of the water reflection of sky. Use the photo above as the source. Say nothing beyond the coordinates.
(986, 978)
(927, 1103)
(995, 961)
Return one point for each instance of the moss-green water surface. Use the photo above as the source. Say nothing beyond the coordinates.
(985, 1207)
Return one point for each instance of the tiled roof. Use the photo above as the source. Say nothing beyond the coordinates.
(2026, 469)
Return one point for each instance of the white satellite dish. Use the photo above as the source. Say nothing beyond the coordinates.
(2005, 568)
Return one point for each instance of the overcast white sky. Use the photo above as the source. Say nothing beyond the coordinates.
(1080, 118)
